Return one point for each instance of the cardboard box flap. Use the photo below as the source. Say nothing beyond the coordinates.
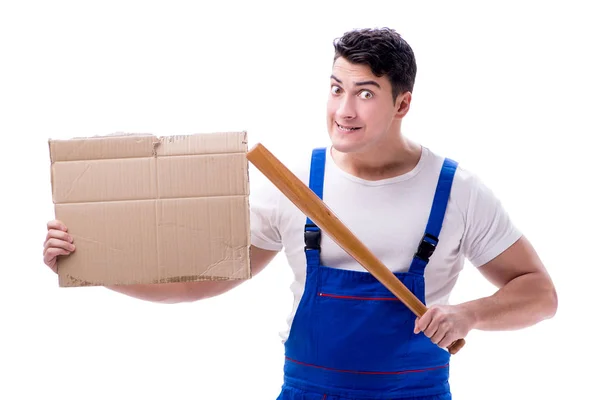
(146, 167)
(145, 145)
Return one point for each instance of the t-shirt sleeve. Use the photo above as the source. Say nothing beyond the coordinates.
(489, 229)
(264, 209)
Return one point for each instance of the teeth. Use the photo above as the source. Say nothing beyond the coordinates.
(347, 129)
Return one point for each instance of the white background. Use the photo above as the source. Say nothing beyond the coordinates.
(510, 89)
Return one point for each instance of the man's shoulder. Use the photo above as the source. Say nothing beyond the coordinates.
(297, 162)
(465, 180)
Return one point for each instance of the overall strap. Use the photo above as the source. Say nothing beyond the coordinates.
(312, 233)
(436, 218)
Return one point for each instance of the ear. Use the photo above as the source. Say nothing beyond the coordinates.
(403, 104)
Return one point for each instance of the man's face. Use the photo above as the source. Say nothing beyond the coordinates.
(360, 109)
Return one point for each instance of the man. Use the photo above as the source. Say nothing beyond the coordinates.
(420, 213)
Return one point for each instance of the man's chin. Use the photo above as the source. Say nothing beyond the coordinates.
(345, 143)
(345, 146)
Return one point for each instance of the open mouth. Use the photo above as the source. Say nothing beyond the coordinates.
(345, 128)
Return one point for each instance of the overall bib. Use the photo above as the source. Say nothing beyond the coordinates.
(351, 338)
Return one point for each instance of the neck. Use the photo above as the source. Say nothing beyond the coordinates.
(383, 160)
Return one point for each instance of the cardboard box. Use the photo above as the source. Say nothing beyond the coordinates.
(146, 209)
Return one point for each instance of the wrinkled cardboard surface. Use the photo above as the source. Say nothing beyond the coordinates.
(147, 209)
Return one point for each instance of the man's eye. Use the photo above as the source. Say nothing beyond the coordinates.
(336, 90)
(365, 94)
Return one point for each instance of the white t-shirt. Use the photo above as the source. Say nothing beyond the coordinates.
(389, 216)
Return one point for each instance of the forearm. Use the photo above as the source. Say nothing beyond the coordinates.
(157, 293)
(524, 301)
(170, 293)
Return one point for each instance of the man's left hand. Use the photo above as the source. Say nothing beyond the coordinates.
(445, 324)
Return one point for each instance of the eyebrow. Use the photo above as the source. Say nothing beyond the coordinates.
(363, 83)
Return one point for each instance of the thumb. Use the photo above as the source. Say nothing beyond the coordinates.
(416, 330)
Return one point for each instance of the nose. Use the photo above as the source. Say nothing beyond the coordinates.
(346, 108)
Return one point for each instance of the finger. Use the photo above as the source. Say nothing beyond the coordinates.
(447, 341)
(57, 243)
(439, 334)
(56, 224)
(425, 320)
(431, 329)
(52, 253)
(58, 234)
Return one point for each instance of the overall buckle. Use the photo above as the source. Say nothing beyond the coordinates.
(312, 237)
(426, 247)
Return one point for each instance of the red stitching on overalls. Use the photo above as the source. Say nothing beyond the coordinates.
(337, 296)
(324, 396)
(369, 372)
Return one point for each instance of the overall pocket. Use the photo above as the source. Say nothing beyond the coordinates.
(363, 332)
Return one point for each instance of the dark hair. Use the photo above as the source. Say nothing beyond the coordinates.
(384, 51)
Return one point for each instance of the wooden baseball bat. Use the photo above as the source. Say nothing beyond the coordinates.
(313, 207)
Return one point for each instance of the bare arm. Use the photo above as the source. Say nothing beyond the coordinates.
(526, 296)
(526, 293)
(59, 243)
(193, 291)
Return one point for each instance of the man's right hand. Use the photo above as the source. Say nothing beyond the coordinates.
(58, 243)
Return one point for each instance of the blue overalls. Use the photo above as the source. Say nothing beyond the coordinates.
(351, 338)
